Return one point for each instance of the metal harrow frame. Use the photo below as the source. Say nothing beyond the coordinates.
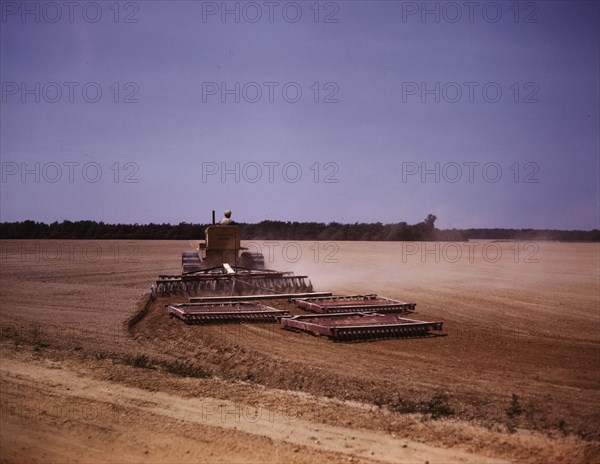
(270, 296)
(360, 326)
(353, 303)
(242, 281)
(225, 312)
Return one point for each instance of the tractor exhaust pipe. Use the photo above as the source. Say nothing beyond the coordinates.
(214, 221)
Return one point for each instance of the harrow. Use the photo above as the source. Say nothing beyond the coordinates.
(352, 325)
(226, 280)
(271, 296)
(353, 303)
(231, 281)
(220, 313)
(221, 265)
(360, 326)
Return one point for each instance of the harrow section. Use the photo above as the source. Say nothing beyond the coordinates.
(353, 303)
(231, 285)
(220, 313)
(271, 296)
(227, 281)
(360, 326)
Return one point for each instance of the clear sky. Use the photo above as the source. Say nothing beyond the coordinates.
(485, 114)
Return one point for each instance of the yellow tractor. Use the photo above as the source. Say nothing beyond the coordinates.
(221, 245)
(222, 266)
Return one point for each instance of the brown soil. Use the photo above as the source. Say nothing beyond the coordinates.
(516, 376)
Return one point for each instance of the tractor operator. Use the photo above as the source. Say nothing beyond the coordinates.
(226, 221)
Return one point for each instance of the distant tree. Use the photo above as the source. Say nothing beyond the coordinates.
(430, 220)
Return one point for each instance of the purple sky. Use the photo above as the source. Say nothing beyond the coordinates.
(528, 157)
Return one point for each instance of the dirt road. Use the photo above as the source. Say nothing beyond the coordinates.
(234, 421)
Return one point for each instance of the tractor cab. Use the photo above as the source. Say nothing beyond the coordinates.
(221, 245)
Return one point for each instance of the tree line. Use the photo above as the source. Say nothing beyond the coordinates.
(282, 230)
